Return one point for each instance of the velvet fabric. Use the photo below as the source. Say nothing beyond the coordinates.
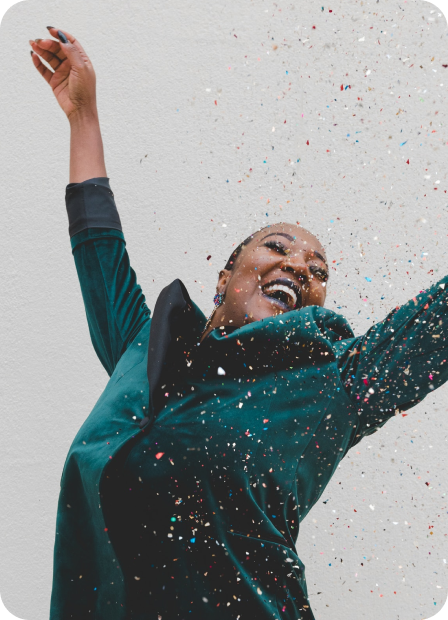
(183, 492)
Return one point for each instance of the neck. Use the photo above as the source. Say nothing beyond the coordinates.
(214, 321)
(205, 332)
(220, 318)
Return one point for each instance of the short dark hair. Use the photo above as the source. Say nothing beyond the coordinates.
(236, 252)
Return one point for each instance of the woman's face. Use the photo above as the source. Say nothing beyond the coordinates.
(281, 269)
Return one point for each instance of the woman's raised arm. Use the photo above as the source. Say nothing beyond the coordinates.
(114, 303)
(73, 82)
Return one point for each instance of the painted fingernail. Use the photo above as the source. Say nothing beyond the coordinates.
(50, 27)
(62, 37)
(31, 52)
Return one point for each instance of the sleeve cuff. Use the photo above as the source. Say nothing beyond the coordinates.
(91, 204)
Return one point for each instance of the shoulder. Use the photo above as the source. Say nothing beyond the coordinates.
(333, 326)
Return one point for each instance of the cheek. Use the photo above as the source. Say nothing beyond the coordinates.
(245, 281)
(241, 287)
(318, 292)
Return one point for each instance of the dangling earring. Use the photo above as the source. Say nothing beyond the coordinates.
(218, 300)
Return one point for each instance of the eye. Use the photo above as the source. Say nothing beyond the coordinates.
(278, 246)
(319, 272)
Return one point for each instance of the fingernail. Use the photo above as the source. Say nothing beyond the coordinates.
(37, 40)
(50, 27)
(62, 37)
(31, 52)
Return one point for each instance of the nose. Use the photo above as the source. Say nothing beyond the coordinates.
(296, 264)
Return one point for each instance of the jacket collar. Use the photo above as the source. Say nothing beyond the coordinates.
(281, 342)
(176, 328)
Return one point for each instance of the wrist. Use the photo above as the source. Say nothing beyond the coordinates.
(83, 117)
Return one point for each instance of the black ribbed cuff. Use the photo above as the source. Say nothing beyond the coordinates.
(91, 204)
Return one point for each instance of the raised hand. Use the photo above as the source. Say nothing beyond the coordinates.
(72, 77)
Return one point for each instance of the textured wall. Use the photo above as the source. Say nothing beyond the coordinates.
(219, 117)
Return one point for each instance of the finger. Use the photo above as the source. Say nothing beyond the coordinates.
(46, 73)
(54, 32)
(53, 60)
(51, 46)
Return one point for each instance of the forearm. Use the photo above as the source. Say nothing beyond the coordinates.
(86, 148)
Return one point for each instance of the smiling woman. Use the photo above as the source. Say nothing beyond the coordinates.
(183, 492)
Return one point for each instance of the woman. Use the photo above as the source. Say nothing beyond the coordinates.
(183, 492)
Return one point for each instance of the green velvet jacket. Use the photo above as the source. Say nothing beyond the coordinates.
(183, 492)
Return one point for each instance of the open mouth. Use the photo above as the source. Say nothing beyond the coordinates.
(284, 292)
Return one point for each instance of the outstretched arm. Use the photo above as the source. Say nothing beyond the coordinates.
(399, 361)
(114, 303)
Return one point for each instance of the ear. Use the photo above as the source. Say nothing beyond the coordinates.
(223, 280)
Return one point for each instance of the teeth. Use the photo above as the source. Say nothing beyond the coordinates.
(281, 287)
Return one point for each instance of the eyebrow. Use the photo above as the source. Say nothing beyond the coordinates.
(282, 234)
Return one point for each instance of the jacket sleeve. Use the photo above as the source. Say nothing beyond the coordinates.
(398, 361)
(114, 303)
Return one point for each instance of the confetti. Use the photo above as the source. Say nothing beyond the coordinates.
(218, 528)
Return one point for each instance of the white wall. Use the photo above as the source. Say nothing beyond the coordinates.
(205, 109)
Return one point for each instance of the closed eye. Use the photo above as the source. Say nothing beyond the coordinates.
(322, 274)
(278, 246)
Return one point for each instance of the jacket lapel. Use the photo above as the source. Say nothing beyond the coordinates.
(176, 327)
